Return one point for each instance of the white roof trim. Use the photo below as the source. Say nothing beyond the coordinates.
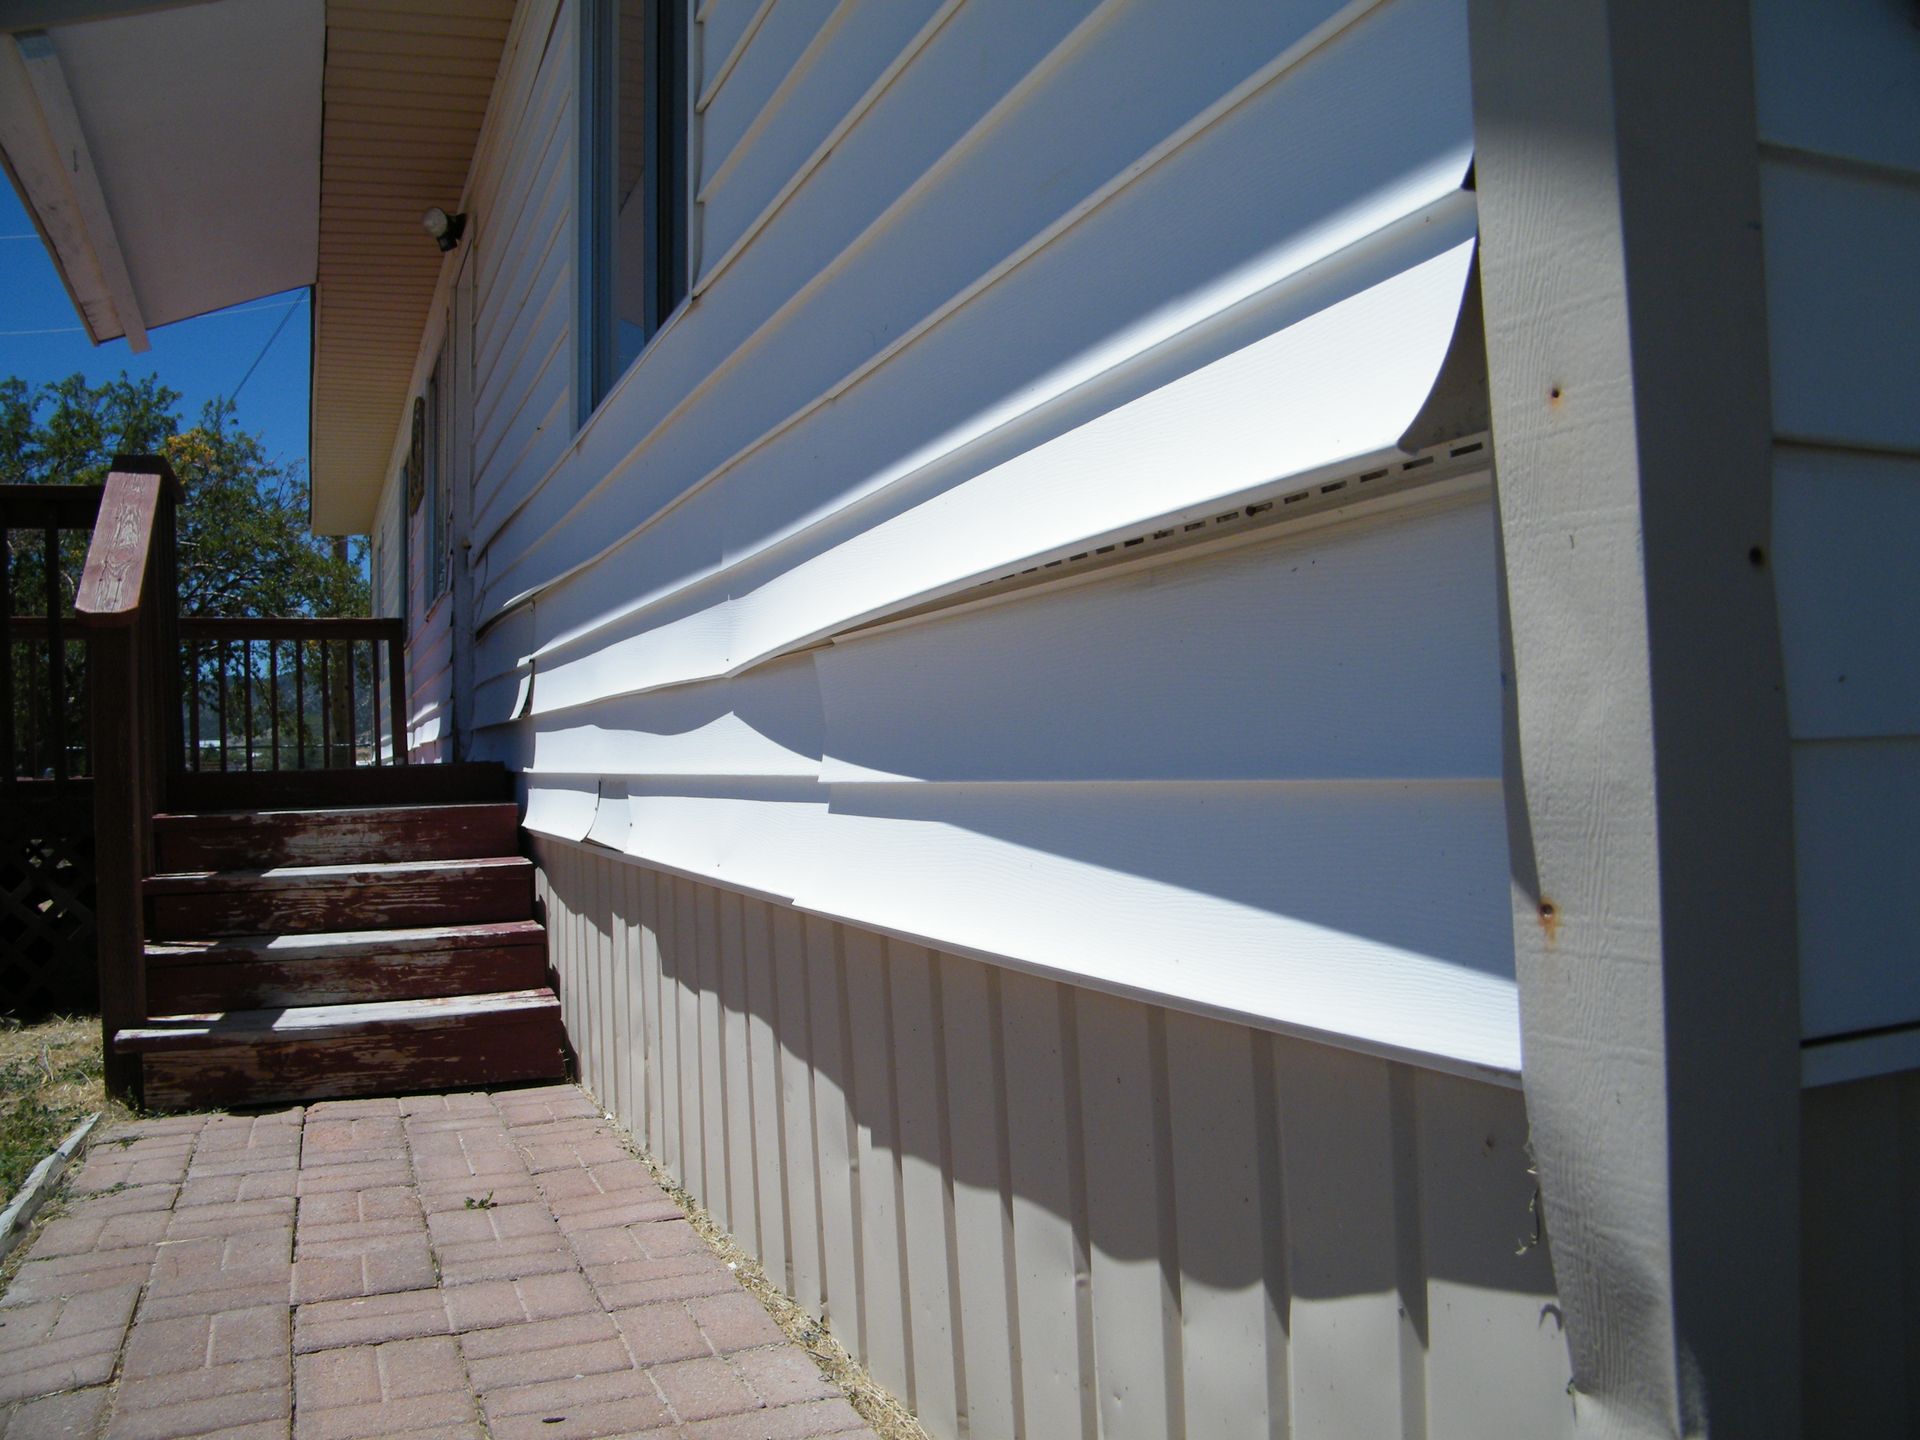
(48, 157)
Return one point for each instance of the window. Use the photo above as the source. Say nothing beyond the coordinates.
(634, 176)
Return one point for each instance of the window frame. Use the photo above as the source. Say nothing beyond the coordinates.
(667, 205)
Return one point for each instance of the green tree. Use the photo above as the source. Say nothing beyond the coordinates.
(245, 548)
(243, 541)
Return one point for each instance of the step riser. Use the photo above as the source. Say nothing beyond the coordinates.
(388, 903)
(343, 980)
(484, 1052)
(259, 842)
(367, 785)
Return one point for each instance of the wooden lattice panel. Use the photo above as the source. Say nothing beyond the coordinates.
(47, 944)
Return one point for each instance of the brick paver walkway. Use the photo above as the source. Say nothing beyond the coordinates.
(443, 1265)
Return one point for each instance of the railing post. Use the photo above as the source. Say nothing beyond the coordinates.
(127, 597)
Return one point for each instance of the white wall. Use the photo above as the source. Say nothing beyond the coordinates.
(980, 287)
(1839, 104)
(1033, 1209)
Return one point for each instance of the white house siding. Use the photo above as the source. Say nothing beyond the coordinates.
(1035, 1209)
(1035, 281)
(981, 288)
(1838, 91)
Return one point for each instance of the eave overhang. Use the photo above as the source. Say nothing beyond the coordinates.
(169, 155)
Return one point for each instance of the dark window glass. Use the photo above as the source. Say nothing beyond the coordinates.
(636, 177)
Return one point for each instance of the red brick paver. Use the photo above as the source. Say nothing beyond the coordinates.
(427, 1267)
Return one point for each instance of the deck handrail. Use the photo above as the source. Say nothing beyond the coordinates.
(337, 707)
(129, 601)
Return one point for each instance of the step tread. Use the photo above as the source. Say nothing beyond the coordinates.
(341, 944)
(223, 819)
(186, 882)
(315, 1022)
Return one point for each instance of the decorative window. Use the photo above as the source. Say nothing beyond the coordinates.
(634, 180)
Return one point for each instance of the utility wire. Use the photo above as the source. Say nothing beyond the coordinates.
(235, 394)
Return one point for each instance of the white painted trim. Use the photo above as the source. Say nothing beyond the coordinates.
(61, 184)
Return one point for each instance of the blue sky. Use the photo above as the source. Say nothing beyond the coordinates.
(41, 339)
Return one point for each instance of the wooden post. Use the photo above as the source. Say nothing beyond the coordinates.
(1648, 776)
(126, 587)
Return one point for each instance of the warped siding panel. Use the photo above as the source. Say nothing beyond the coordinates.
(1088, 1215)
(1352, 375)
(1030, 331)
(1412, 593)
(1020, 798)
(737, 187)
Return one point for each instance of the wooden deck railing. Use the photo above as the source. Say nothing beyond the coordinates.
(292, 694)
(46, 824)
(129, 601)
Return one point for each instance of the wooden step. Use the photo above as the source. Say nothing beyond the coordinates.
(344, 967)
(303, 899)
(329, 1051)
(256, 839)
(448, 784)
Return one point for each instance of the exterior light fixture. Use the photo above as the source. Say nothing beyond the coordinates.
(444, 228)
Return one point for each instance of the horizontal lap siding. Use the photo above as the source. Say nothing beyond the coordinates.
(1838, 92)
(979, 150)
(524, 288)
(1035, 1210)
(1219, 758)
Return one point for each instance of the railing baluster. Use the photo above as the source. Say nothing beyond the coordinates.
(246, 678)
(349, 714)
(220, 696)
(193, 704)
(326, 708)
(273, 696)
(56, 691)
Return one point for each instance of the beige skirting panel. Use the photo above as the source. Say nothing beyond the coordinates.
(1039, 1210)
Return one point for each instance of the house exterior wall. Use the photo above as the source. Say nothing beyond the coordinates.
(977, 287)
(1036, 1209)
(967, 291)
(1838, 99)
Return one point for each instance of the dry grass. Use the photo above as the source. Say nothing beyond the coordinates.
(890, 1419)
(51, 1078)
